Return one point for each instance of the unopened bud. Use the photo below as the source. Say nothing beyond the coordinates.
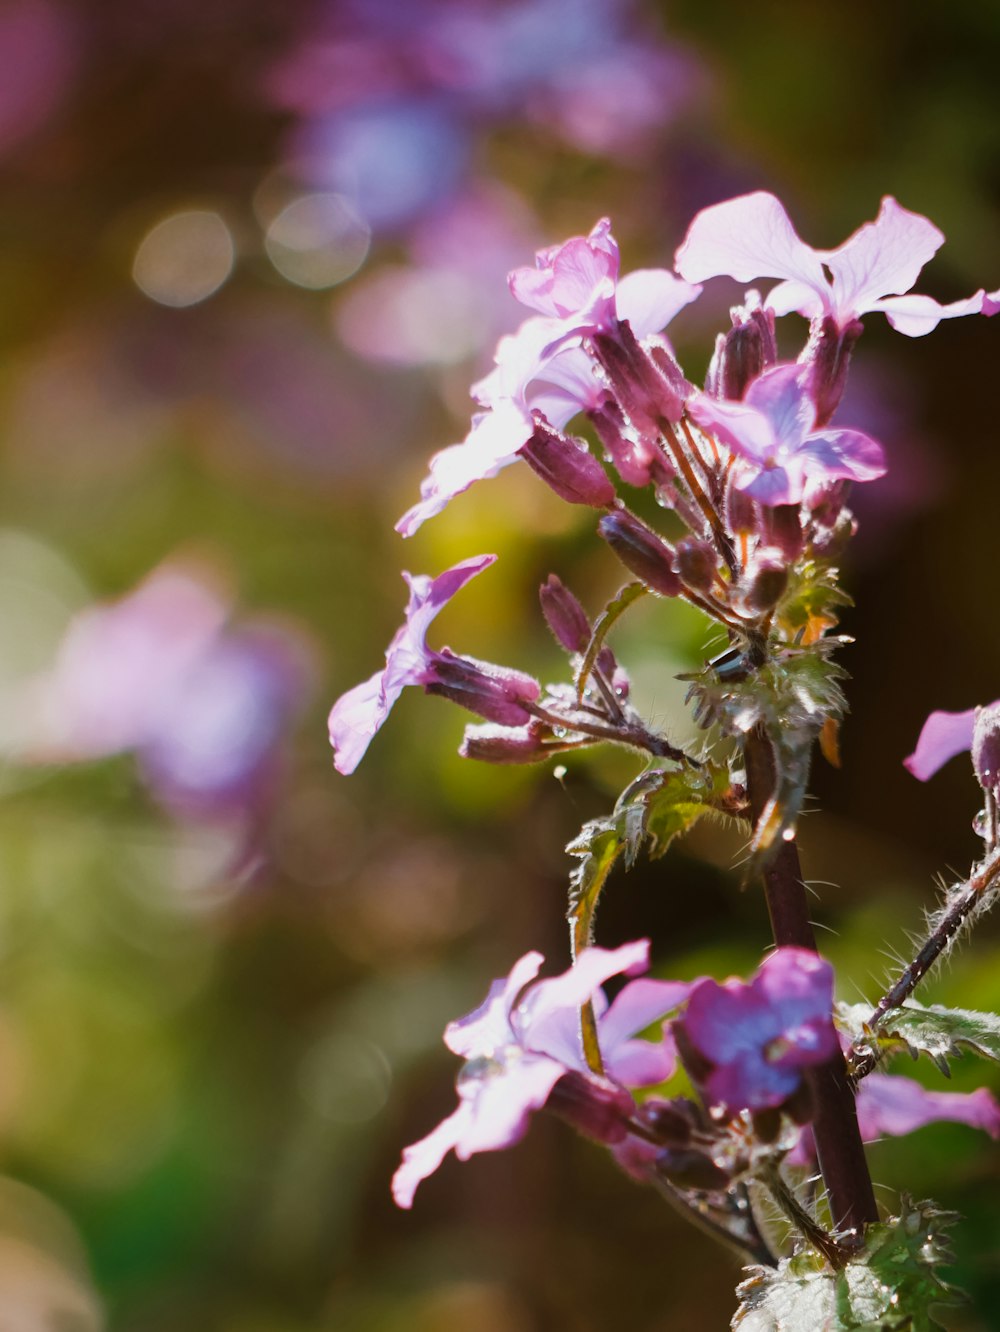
(742, 514)
(784, 529)
(640, 549)
(691, 1169)
(638, 459)
(672, 1121)
(564, 615)
(696, 562)
(766, 581)
(494, 692)
(743, 353)
(599, 1110)
(506, 744)
(568, 466)
(986, 746)
(828, 353)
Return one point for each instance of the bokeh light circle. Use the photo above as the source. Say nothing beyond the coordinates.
(184, 258)
(318, 240)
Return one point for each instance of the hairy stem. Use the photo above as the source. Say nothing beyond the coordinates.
(835, 1125)
(962, 906)
(808, 1227)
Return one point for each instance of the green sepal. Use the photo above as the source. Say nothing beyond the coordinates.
(936, 1031)
(789, 698)
(890, 1285)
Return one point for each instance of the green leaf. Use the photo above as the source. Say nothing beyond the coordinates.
(891, 1285)
(790, 698)
(611, 612)
(812, 599)
(939, 1032)
(659, 805)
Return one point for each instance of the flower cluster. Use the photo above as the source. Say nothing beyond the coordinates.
(757, 474)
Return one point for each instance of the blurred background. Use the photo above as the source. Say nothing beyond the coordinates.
(252, 257)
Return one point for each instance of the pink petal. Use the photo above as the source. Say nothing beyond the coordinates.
(882, 258)
(502, 1105)
(574, 987)
(355, 718)
(488, 1026)
(747, 238)
(493, 443)
(649, 299)
(917, 315)
(737, 424)
(891, 1104)
(781, 396)
(943, 735)
(641, 1063)
(991, 303)
(849, 453)
(577, 277)
(422, 1158)
(638, 1005)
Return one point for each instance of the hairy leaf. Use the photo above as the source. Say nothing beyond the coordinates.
(811, 602)
(935, 1030)
(891, 1285)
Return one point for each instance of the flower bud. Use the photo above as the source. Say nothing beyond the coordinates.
(696, 562)
(494, 692)
(599, 1110)
(564, 615)
(507, 744)
(638, 459)
(743, 353)
(691, 1169)
(643, 552)
(673, 1121)
(986, 746)
(784, 529)
(765, 581)
(828, 353)
(742, 515)
(569, 467)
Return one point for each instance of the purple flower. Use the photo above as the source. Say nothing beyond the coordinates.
(493, 692)
(159, 672)
(758, 1037)
(520, 1042)
(752, 237)
(538, 369)
(894, 1105)
(945, 734)
(773, 430)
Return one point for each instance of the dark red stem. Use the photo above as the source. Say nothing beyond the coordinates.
(835, 1126)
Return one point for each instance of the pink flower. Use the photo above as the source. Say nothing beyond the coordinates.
(541, 367)
(752, 237)
(524, 1038)
(945, 734)
(894, 1105)
(758, 1037)
(773, 430)
(493, 692)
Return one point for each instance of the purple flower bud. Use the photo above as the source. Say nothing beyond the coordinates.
(986, 746)
(691, 1169)
(765, 580)
(742, 514)
(494, 692)
(828, 354)
(673, 1122)
(743, 353)
(784, 529)
(643, 552)
(696, 562)
(649, 385)
(568, 467)
(637, 457)
(509, 744)
(598, 1110)
(564, 615)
